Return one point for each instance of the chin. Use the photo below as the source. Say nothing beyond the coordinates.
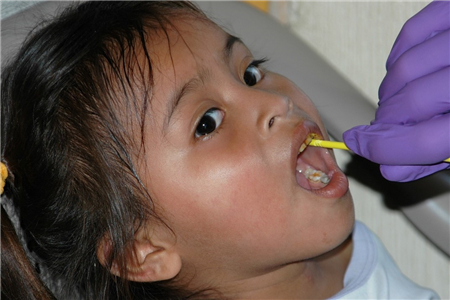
(338, 230)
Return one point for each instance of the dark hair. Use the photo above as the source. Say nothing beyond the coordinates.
(70, 109)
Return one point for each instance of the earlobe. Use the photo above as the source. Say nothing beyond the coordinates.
(151, 258)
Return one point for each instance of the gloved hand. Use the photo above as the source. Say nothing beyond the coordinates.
(410, 136)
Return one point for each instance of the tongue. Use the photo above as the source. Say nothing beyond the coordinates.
(303, 181)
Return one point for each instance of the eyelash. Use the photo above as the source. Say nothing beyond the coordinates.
(259, 62)
(255, 63)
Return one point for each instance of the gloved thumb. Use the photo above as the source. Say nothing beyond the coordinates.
(410, 173)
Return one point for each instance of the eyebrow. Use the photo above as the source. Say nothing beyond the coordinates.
(198, 80)
(228, 49)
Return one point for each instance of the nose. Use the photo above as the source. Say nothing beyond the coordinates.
(269, 110)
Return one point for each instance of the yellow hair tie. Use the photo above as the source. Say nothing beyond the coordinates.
(4, 175)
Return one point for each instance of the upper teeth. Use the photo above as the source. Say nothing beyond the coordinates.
(306, 142)
(310, 173)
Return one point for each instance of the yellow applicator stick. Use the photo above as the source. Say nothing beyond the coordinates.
(336, 145)
(328, 144)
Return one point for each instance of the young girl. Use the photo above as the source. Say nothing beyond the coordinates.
(151, 156)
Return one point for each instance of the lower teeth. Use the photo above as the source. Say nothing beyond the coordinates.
(315, 175)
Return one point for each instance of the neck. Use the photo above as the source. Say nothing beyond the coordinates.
(317, 278)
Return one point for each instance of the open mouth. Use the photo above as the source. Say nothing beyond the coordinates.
(314, 168)
(313, 171)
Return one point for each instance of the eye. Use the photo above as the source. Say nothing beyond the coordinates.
(209, 122)
(253, 74)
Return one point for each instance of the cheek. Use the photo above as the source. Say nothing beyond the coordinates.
(222, 196)
(224, 188)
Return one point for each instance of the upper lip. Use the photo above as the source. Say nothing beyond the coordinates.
(301, 132)
(320, 157)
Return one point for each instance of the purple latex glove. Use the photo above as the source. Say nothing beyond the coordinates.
(410, 136)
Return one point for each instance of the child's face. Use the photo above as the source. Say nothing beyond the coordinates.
(222, 157)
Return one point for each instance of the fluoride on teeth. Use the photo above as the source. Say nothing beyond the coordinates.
(315, 175)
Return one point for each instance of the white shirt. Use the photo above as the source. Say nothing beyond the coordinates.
(372, 274)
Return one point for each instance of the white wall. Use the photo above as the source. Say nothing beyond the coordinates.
(8, 8)
(356, 37)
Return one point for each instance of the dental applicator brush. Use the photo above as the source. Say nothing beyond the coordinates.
(336, 145)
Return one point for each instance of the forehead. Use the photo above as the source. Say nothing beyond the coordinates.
(189, 36)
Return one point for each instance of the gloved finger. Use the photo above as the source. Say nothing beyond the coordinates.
(410, 173)
(419, 100)
(390, 144)
(425, 58)
(433, 18)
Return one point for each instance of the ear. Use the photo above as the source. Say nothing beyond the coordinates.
(153, 256)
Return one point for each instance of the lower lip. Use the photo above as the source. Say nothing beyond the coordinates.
(336, 188)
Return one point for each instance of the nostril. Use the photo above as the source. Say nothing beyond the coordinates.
(272, 120)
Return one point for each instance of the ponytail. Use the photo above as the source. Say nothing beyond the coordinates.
(19, 279)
